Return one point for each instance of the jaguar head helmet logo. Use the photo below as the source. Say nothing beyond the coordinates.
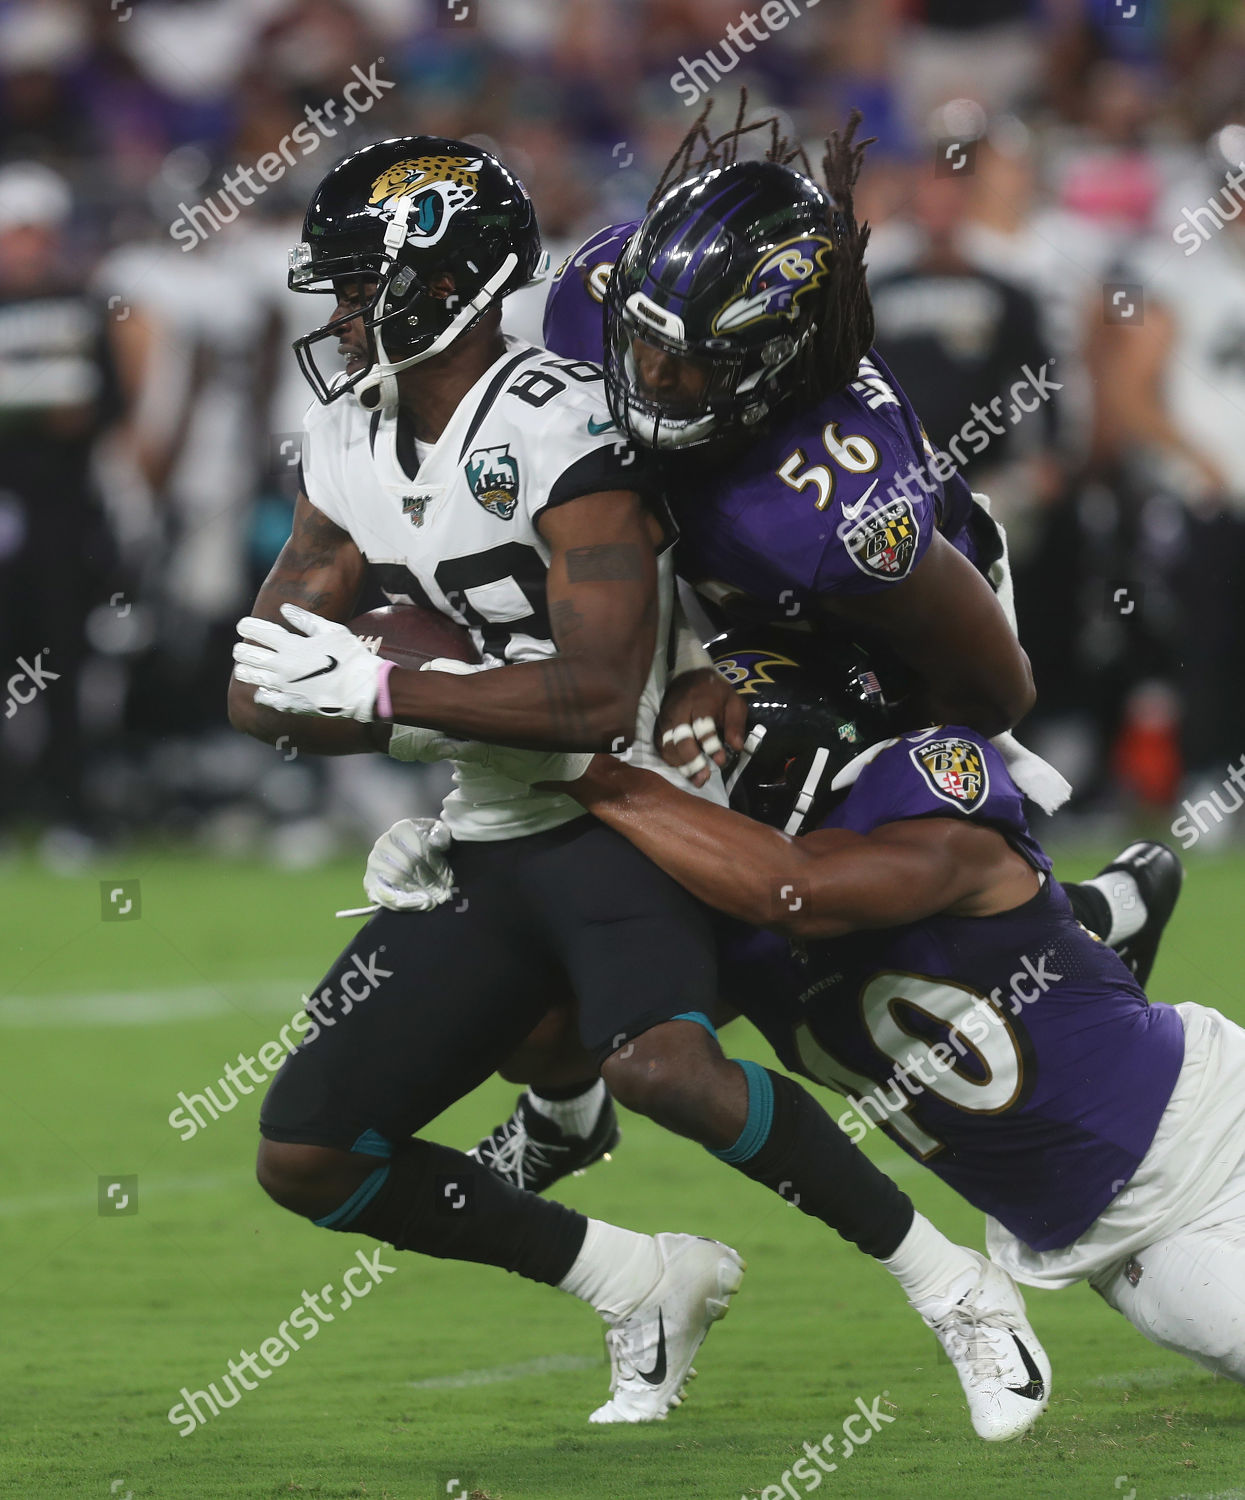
(439, 185)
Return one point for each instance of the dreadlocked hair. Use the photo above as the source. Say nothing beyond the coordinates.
(842, 312)
(723, 150)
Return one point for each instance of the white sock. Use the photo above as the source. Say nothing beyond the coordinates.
(574, 1116)
(1128, 910)
(613, 1270)
(933, 1270)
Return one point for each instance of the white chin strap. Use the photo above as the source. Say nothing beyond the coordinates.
(378, 390)
(751, 746)
(381, 377)
(661, 432)
(807, 792)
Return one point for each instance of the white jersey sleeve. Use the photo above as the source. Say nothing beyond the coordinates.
(559, 436)
(321, 470)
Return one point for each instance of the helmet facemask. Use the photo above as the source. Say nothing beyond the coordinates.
(739, 390)
(405, 320)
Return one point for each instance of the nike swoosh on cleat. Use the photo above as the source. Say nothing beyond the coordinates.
(657, 1374)
(319, 671)
(850, 512)
(1035, 1388)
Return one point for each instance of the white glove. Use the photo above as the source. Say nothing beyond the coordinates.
(526, 766)
(407, 869)
(408, 742)
(325, 670)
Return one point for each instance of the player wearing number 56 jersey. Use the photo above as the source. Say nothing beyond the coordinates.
(737, 339)
(736, 331)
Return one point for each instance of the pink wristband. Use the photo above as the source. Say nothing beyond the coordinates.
(384, 703)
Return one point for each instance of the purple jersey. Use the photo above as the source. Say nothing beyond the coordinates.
(839, 499)
(1014, 1055)
(575, 308)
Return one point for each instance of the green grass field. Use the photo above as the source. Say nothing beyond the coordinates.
(449, 1379)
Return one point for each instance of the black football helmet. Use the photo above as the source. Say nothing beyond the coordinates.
(813, 706)
(724, 270)
(402, 213)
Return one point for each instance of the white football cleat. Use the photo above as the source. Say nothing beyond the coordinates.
(652, 1347)
(1005, 1372)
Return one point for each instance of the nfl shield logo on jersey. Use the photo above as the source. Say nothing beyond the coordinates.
(955, 769)
(414, 506)
(883, 542)
(494, 479)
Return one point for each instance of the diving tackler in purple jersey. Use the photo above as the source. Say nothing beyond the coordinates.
(1014, 1055)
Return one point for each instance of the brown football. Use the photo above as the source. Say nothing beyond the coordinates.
(409, 635)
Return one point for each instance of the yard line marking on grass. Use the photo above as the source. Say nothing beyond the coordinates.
(548, 1364)
(1218, 1495)
(146, 1007)
(167, 1187)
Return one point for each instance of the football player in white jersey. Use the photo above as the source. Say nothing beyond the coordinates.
(481, 477)
(484, 477)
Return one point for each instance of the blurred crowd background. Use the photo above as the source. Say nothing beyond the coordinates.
(1035, 161)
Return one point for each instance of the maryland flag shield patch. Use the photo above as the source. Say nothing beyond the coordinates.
(883, 543)
(955, 770)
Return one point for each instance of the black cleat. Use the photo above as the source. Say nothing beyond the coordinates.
(1159, 876)
(529, 1151)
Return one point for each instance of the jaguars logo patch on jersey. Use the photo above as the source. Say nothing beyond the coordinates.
(955, 770)
(440, 186)
(494, 479)
(883, 542)
(777, 282)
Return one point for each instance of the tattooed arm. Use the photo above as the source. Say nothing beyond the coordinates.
(602, 596)
(320, 568)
